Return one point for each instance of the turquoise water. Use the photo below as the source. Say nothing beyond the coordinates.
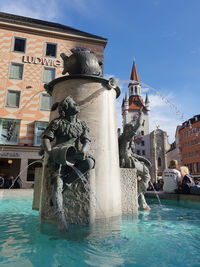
(165, 236)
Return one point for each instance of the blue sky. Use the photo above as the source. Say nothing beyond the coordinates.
(162, 35)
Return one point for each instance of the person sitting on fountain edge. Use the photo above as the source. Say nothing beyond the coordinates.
(66, 130)
(171, 177)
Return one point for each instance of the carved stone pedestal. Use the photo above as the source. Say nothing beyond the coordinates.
(78, 201)
(129, 191)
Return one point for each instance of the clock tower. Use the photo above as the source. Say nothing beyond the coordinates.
(130, 107)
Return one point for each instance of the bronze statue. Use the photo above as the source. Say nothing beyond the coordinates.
(129, 159)
(82, 61)
(65, 155)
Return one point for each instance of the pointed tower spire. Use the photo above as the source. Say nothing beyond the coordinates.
(123, 102)
(134, 75)
(147, 103)
(134, 87)
(147, 99)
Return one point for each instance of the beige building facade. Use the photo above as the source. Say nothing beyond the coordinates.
(159, 145)
(29, 58)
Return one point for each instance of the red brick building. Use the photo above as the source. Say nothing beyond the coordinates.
(30, 57)
(189, 141)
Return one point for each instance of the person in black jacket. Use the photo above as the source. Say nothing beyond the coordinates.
(187, 180)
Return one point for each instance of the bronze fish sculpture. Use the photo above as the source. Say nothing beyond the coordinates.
(81, 61)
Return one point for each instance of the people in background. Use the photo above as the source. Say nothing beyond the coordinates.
(171, 177)
(197, 181)
(187, 180)
(1, 182)
(160, 184)
(8, 182)
(195, 189)
(17, 183)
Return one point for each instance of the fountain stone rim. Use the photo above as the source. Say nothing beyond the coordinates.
(49, 87)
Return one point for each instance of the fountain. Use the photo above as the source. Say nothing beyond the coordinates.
(100, 197)
(93, 195)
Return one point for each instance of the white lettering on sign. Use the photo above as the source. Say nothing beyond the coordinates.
(41, 60)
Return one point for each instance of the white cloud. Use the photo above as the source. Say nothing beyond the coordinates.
(156, 101)
(39, 9)
(165, 114)
(51, 9)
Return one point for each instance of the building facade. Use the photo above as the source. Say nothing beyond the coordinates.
(174, 150)
(130, 107)
(189, 140)
(159, 146)
(30, 57)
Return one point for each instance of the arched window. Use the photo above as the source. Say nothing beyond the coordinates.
(136, 90)
(159, 162)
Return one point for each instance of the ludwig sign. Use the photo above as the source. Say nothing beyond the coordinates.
(41, 60)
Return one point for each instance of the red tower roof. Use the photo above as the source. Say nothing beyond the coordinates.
(134, 75)
(135, 103)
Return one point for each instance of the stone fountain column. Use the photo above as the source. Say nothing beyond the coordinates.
(96, 97)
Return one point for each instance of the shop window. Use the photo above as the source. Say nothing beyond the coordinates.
(46, 102)
(9, 131)
(40, 126)
(19, 44)
(48, 74)
(13, 98)
(16, 71)
(32, 164)
(51, 50)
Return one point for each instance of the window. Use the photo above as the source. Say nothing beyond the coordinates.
(135, 89)
(142, 142)
(142, 132)
(9, 131)
(143, 153)
(51, 50)
(194, 167)
(40, 126)
(46, 102)
(13, 98)
(19, 44)
(190, 167)
(198, 166)
(16, 71)
(48, 74)
(138, 152)
(159, 162)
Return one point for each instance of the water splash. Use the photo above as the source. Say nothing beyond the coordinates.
(87, 188)
(165, 99)
(22, 172)
(155, 193)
